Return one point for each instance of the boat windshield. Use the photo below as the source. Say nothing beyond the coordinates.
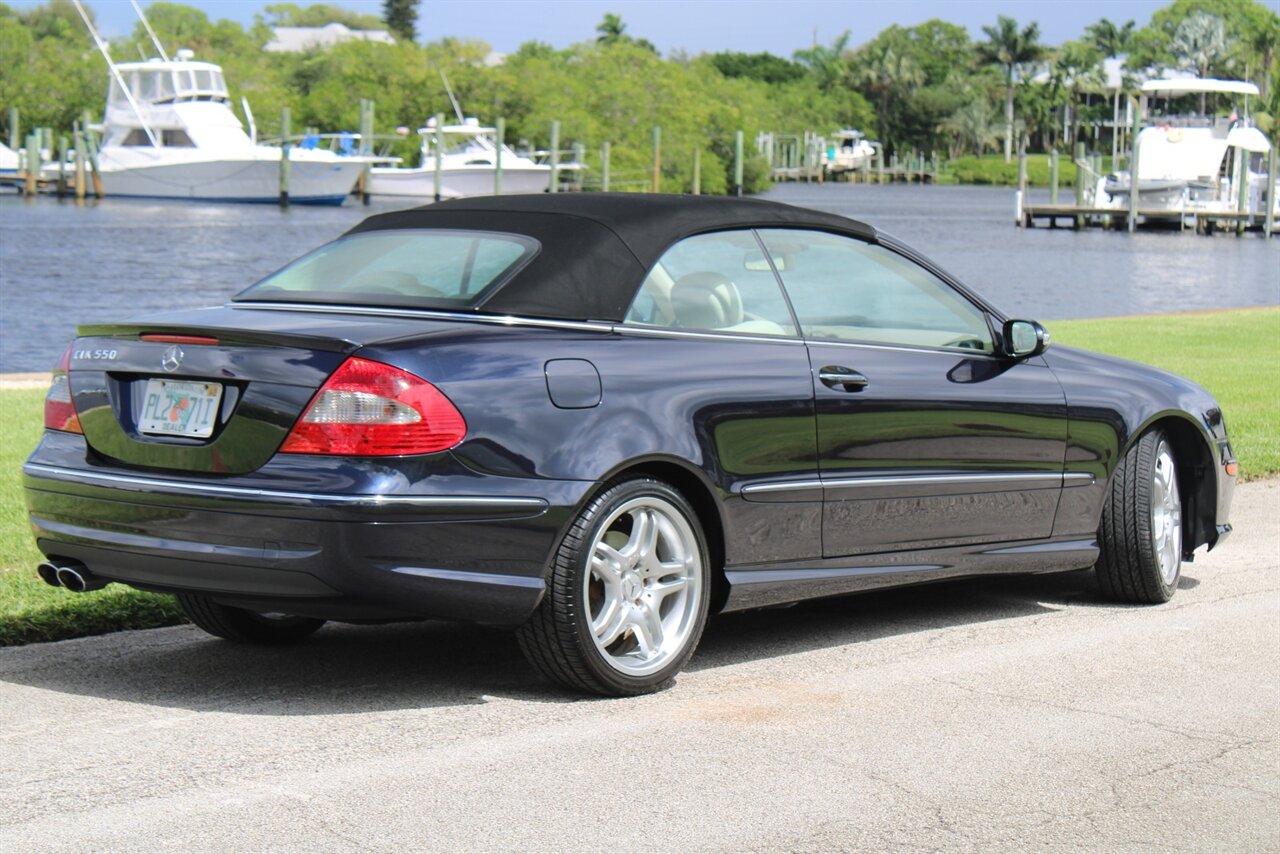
(168, 84)
(416, 268)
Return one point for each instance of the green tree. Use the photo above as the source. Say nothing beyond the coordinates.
(757, 66)
(1199, 44)
(887, 72)
(401, 17)
(974, 128)
(1012, 50)
(1076, 69)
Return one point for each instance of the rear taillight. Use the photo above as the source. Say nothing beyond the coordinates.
(368, 408)
(59, 411)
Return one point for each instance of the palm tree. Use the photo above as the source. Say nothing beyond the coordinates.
(887, 73)
(827, 64)
(1199, 43)
(611, 29)
(1109, 39)
(1077, 68)
(975, 127)
(1011, 49)
(1112, 41)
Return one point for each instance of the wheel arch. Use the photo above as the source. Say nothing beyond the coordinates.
(1197, 480)
(692, 483)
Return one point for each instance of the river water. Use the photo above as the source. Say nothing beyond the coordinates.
(61, 264)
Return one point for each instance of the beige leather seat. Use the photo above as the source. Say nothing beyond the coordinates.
(705, 301)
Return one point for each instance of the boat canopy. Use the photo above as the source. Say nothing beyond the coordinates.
(158, 82)
(1195, 85)
(1250, 139)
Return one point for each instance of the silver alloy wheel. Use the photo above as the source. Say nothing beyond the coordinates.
(643, 590)
(1166, 515)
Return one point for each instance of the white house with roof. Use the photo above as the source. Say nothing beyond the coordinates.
(298, 39)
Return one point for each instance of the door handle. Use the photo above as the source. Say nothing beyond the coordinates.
(841, 378)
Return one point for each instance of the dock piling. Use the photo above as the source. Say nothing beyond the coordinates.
(1269, 221)
(604, 167)
(1022, 185)
(31, 164)
(15, 135)
(438, 151)
(1133, 175)
(366, 145)
(1053, 178)
(655, 185)
(1078, 160)
(500, 131)
(580, 158)
(555, 157)
(1242, 192)
(737, 163)
(62, 165)
(285, 130)
(77, 140)
(697, 170)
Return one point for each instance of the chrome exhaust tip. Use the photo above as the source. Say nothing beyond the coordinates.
(48, 574)
(78, 579)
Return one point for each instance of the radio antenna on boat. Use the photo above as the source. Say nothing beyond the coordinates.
(115, 73)
(154, 39)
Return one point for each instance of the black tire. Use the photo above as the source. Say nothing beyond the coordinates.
(558, 640)
(1129, 567)
(242, 626)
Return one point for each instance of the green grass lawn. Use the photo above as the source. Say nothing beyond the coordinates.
(1235, 354)
(31, 610)
(991, 169)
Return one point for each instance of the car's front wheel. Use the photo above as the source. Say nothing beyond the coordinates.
(1141, 532)
(628, 593)
(243, 626)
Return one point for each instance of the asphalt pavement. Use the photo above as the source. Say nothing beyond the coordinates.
(992, 714)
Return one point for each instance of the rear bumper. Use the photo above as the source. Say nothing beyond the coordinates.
(475, 555)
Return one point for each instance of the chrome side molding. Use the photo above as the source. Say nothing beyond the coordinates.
(995, 480)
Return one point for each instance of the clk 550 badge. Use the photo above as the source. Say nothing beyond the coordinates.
(95, 354)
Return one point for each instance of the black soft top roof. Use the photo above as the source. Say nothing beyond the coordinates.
(598, 247)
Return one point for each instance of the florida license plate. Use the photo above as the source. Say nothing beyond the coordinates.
(180, 408)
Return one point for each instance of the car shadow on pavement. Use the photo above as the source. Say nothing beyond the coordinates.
(361, 669)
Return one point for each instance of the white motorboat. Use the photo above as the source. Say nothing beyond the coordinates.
(468, 161)
(9, 160)
(849, 151)
(1190, 163)
(169, 132)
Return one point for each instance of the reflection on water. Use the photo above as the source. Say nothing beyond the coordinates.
(60, 265)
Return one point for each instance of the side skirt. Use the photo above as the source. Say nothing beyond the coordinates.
(778, 584)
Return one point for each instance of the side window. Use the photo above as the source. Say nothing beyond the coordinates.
(718, 282)
(847, 290)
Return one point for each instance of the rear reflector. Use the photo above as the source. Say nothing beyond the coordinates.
(371, 409)
(59, 411)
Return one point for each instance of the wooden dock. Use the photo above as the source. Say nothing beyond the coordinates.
(1081, 216)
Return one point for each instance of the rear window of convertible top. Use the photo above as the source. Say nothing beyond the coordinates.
(417, 268)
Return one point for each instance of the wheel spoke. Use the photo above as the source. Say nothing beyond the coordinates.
(611, 622)
(648, 630)
(662, 589)
(607, 564)
(644, 537)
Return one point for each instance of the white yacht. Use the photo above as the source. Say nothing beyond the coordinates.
(467, 165)
(1190, 163)
(849, 151)
(169, 132)
(9, 160)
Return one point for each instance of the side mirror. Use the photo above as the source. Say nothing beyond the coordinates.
(1024, 338)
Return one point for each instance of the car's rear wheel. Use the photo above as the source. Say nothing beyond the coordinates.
(628, 593)
(243, 626)
(1141, 532)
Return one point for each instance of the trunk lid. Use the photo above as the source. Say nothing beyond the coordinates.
(217, 390)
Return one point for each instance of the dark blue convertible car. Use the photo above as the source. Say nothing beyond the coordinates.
(598, 419)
